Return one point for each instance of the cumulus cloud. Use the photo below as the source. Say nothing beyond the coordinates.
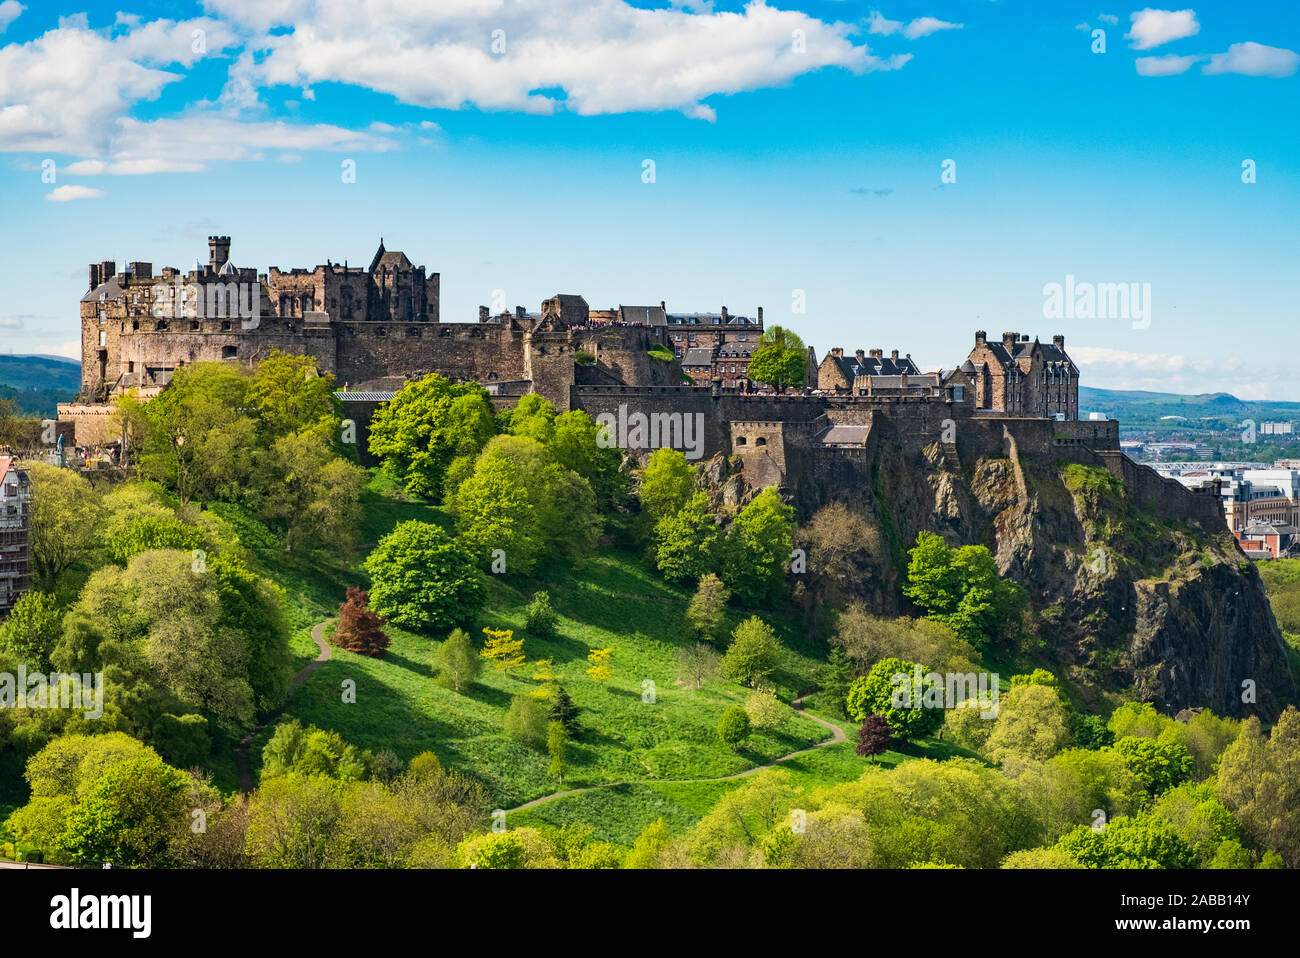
(539, 56)
(1168, 65)
(1151, 27)
(1254, 59)
(65, 194)
(9, 11)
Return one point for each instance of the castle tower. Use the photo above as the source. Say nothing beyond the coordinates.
(218, 252)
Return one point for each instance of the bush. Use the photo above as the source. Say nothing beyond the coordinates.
(527, 720)
(457, 662)
(754, 653)
(734, 726)
(540, 617)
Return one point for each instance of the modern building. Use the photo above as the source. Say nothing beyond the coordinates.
(15, 546)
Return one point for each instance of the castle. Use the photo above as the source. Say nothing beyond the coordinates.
(376, 327)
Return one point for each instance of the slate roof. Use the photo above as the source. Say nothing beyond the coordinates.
(698, 356)
(642, 315)
(110, 290)
(872, 366)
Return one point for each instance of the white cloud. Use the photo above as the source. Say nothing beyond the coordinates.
(11, 322)
(72, 350)
(1168, 65)
(877, 24)
(1082, 25)
(9, 11)
(1108, 18)
(1151, 27)
(65, 194)
(1254, 59)
(603, 56)
(924, 26)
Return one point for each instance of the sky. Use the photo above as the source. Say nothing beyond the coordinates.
(893, 175)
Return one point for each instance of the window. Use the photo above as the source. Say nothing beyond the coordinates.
(103, 338)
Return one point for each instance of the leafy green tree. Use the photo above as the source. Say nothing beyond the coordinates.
(649, 845)
(875, 694)
(540, 617)
(423, 579)
(308, 492)
(1140, 841)
(32, 629)
(309, 750)
(290, 395)
(754, 652)
(182, 740)
(667, 484)
(758, 546)
(1090, 731)
(254, 607)
(533, 417)
(962, 588)
(128, 816)
(697, 663)
(708, 607)
(457, 661)
(575, 446)
(1259, 782)
(781, 359)
(293, 821)
(557, 740)
(1032, 725)
(686, 541)
(143, 533)
(521, 502)
(734, 726)
(418, 433)
(65, 520)
(1202, 821)
(1159, 766)
(765, 710)
(527, 720)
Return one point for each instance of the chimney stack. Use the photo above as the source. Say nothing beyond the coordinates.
(94, 275)
(861, 357)
(218, 251)
(482, 314)
(1059, 342)
(893, 354)
(981, 337)
(724, 314)
(876, 354)
(519, 312)
(837, 351)
(760, 314)
(1009, 339)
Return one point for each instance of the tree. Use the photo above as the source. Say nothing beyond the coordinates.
(962, 588)
(686, 541)
(667, 483)
(309, 492)
(1140, 841)
(873, 737)
(758, 546)
(754, 652)
(32, 629)
(576, 446)
(422, 579)
(295, 749)
(533, 416)
(649, 845)
(698, 662)
(520, 502)
(734, 726)
(359, 629)
(65, 520)
(601, 669)
(765, 710)
(289, 394)
(129, 423)
(708, 608)
(544, 672)
(502, 649)
(556, 742)
(565, 711)
(1032, 724)
(540, 617)
(875, 694)
(456, 662)
(527, 721)
(128, 816)
(1159, 766)
(780, 360)
(866, 639)
(418, 433)
(1259, 782)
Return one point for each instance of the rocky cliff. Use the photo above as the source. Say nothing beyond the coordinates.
(1169, 612)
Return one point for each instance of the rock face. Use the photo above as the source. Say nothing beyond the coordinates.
(1168, 612)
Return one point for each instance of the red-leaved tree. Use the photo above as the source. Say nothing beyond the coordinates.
(360, 630)
(874, 737)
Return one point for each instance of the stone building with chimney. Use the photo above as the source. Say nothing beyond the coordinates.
(15, 549)
(1021, 377)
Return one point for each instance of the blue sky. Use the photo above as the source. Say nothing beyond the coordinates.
(797, 147)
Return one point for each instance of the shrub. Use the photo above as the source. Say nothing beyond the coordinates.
(527, 720)
(734, 726)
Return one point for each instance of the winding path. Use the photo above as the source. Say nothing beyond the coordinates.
(241, 751)
(837, 735)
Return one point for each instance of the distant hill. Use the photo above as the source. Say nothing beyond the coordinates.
(37, 384)
(1136, 409)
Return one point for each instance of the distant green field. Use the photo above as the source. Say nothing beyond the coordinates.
(37, 384)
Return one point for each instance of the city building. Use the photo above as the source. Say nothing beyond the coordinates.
(1021, 377)
(15, 547)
